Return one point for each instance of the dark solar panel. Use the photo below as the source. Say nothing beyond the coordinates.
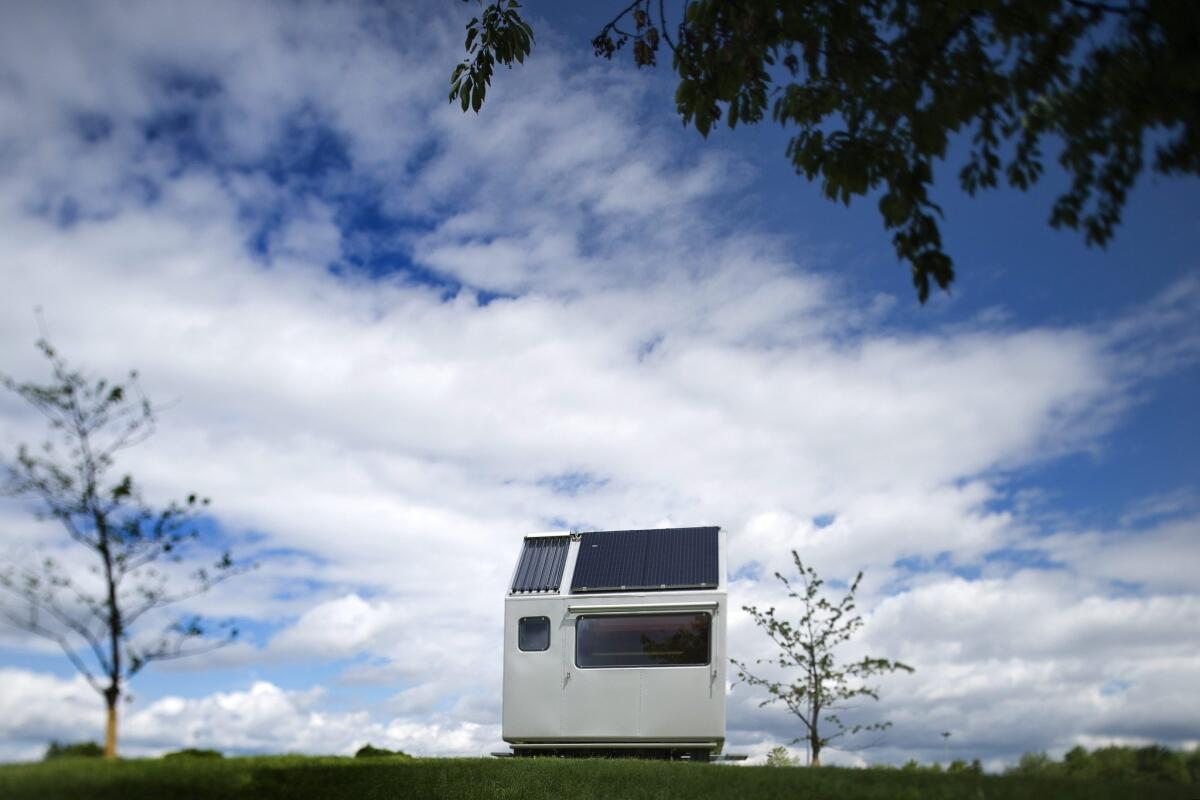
(541, 566)
(667, 558)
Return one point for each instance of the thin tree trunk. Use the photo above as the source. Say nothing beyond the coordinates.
(110, 727)
(814, 738)
(115, 629)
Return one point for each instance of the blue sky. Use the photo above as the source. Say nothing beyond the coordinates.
(1023, 270)
(394, 338)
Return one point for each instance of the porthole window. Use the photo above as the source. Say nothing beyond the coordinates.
(533, 634)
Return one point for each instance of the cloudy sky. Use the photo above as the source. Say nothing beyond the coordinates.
(390, 339)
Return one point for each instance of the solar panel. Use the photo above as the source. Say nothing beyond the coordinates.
(541, 566)
(641, 560)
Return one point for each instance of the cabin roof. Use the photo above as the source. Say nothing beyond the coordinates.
(622, 561)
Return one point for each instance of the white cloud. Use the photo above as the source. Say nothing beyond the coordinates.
(340, 627)
(259, 719)
(39, 708)
(1158, 556)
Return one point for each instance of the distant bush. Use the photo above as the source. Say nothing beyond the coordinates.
(73, 750)
(1034, 765)
(194, 752)
(367, 751)
(1152, 763)
(780, 757)
(962, 767)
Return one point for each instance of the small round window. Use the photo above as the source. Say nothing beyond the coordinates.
(533, 634)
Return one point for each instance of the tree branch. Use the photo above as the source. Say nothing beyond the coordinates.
(32, 625)
(1106, 8)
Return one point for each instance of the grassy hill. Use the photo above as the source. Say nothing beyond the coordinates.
(326, 778)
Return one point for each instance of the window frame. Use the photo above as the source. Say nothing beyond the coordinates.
(549, 633)
(633, 614)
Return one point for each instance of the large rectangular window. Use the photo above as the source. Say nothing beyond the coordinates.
(643, 640)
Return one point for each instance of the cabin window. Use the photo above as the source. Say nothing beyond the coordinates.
(643, 640)
(533, 634)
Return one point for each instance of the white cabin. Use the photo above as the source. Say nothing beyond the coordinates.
(614, 641)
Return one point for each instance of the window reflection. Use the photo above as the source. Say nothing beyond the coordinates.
(643, 640)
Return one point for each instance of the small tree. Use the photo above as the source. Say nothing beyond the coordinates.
(780, 757)
(90, 602)
(823, 687)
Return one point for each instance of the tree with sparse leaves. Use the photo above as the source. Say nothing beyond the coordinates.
(820, 688)
(780, 757)
(878, 90)
(124, 568)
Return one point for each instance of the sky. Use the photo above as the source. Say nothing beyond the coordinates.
(389, 339)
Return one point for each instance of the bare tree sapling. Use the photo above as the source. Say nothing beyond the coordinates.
(815, 687)
(123, 560)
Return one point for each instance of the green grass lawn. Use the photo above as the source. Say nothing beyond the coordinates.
(267, 778)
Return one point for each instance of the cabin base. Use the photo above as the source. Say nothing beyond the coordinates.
(659, 751)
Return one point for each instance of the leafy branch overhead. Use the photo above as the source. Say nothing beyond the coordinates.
(132, 558)
(805, 674)
(877, 92)
(497, 36)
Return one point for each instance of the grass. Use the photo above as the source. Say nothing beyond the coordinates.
(327, 778)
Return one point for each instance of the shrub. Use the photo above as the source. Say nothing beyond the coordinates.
(367, 751)
(1033, 765)
(1157, 763)
(1078, 763)
(194, 752)
(73, 750)
(1114, 763)
(780, 757)
(912, 765)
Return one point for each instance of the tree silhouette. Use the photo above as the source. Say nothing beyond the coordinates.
(120, 572)
(876, 89)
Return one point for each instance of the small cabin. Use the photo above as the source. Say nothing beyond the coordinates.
(614, 643)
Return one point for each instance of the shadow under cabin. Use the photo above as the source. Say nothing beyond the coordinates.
(614, 644)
